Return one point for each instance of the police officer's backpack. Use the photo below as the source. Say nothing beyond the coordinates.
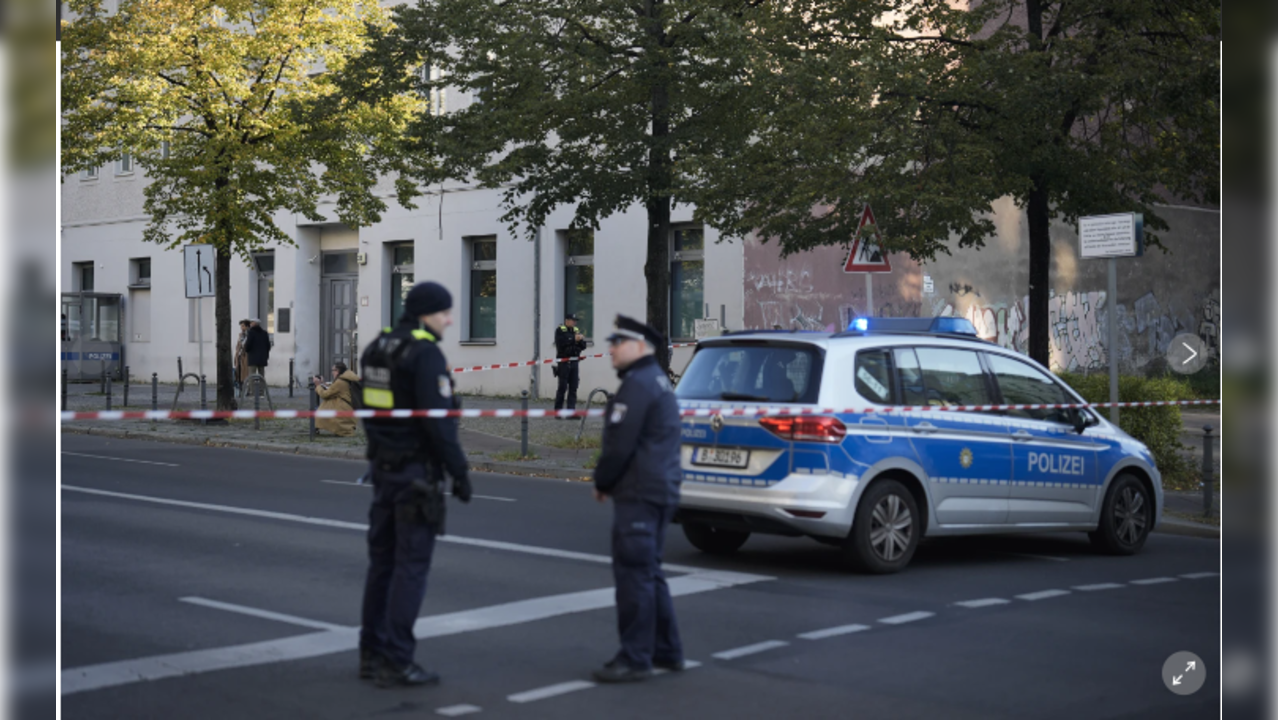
(377, 366)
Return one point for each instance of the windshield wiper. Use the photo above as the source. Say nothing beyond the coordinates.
(743, 396)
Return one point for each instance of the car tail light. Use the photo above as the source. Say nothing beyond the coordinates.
(805, 429)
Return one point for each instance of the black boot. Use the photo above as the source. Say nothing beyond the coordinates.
(617, 671)
(413, 675)
(369, 663)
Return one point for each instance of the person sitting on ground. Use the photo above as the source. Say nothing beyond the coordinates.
(336, 395)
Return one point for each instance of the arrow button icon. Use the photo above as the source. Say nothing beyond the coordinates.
(1191, 665)
(1176, 680)
(1192, 354)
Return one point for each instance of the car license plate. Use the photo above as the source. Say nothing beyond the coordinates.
(723, 457)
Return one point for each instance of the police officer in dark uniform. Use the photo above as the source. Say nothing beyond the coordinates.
(639, 469)
(569, 342)
(404, 368)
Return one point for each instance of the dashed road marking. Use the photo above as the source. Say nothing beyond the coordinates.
(982, 602)
(750, 649)
(1038, 557)
(687, 665)
(1098, 586)
(1154, 581)
(264, 614)
(370, 485)
(128, 460)
(833, 632)
(906, 618)
(1199, 575)
(457, 710)
(1042, 595)
(550, 691)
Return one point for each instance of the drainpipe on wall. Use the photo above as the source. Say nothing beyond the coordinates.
(536, 369)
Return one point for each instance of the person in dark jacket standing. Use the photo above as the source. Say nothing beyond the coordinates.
(639, 469)
(569, 343)
(405, 369)
(257, 347)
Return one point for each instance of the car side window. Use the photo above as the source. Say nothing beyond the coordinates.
(952, 377)
(873, 376)
(1024, 384)
(908, 373)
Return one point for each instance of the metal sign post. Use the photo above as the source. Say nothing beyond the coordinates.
(199, 268)
(1111, 237)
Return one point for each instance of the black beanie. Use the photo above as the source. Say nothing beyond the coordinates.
(427, 298)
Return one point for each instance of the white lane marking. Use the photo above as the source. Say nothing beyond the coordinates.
(983, 602)
(457, 710)
(369, 485)
(550, 691)
(108, 457)
(1154, 581)
(907, 617)
(750, 649)
(1099, 586)
(722, 577)
(265, 614)
(833, 631)
(1042, 595)
(1037, 557)
(1199, 576)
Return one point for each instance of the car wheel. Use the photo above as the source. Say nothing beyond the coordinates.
(885, 530)
(1126, 518)
(713, 540)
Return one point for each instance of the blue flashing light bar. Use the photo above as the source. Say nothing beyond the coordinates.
(946, 325)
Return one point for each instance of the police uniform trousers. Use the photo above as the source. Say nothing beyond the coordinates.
(645, 613)
(399, 554)
(569, 377)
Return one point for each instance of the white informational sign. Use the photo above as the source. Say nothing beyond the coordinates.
(1106, 236)
(198, 265)
(705, 328)
(928, 286)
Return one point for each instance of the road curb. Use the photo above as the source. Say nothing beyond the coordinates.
(1171, 526)
(319, 451)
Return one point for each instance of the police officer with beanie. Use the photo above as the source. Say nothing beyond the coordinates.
(639, 469)
(404, 368)
(569, 343)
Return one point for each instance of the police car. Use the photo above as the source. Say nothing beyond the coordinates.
(875, 483)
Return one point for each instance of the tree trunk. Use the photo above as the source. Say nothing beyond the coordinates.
(1039, 274)
(222, 318)
(656, 270)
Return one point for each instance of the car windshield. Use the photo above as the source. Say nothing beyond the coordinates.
(753, 372)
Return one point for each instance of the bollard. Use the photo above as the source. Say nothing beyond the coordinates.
(125, 403)
(108, 392)
(102, 386)
(290, 377)
(155, 394)
(204, 404)
(523, 424)
(180, 375)
(257, 407)
(64, 389)
(1209, 470)
(310, 390)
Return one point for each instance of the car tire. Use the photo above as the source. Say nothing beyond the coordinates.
(1127, 516)
(713, 540)
(885, 530)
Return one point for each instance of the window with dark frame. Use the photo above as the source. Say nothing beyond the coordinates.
(579, 278)
(482, 323)
(687, 280)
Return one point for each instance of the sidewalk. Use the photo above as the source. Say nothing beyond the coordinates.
(491, 444)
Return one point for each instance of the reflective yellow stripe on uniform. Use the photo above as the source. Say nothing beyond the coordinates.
(379, 398)
(423, 335)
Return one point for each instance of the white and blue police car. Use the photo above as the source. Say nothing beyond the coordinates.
(875, 483)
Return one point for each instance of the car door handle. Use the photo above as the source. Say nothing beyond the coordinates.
(1022, 436)
(924, 428)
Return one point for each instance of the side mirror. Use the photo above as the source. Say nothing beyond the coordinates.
(1081, 420)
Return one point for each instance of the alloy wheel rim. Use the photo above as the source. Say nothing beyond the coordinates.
(891, 528)
(1130, 516)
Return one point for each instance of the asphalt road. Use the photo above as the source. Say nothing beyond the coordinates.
(213, 583)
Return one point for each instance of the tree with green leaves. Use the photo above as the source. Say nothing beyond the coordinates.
(598, 105)
(1072, 108)
(208, 99)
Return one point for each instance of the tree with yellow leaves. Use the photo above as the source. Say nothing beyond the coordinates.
(207, 97)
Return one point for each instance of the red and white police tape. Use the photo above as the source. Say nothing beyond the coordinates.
(502, 366)
(758, 410)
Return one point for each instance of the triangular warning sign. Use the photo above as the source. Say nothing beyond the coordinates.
(867, 255)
